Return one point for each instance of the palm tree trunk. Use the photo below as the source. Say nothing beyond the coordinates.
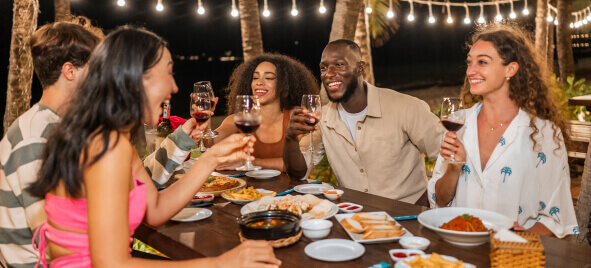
(344, 20)
(20, 69)
(551, 47)
(584, 203)
(250, 28)
(541, 26)
(62, 9)
(564, 47)
(364, 42)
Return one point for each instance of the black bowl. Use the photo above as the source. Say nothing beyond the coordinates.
(269, 233)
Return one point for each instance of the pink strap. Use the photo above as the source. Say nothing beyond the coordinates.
(42, 244)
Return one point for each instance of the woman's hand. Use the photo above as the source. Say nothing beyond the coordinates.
(232, 165)
(250, 253)
(451, 145)
(232, 148)
(193, 129)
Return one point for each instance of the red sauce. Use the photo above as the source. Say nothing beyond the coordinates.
(344, 205)
(353, 208)
(412, 254)
(400, 255)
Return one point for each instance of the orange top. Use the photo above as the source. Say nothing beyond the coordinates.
(272, 150)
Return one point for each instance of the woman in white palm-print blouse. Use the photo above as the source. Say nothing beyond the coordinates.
(512, 141)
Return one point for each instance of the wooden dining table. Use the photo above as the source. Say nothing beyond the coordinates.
(219, 233)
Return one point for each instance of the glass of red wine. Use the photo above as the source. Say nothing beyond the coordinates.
(247, 118)
(200, 110)
(452, 118)
(205, 86)
(313, 106)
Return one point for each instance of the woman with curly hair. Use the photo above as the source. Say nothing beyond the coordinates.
(512, 142)
(279, 82)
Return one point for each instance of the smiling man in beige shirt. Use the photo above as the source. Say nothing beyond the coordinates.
(373, 137)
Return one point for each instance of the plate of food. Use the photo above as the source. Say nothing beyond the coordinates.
(308, 206)
(263, 174)
(192, 214)
(246, 195)
(464, 226)
(432, 260)
(312, 188)
(202, 198)
(372, 227)
(216, 185)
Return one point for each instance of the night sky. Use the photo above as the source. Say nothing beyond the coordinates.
(419, 54)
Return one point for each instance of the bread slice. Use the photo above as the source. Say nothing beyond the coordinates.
(369, 216)
(382, 234)
(352, 225)
(365, 223)
(382, 227)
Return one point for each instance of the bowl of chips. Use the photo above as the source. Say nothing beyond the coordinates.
(246, 195)
(432, 260)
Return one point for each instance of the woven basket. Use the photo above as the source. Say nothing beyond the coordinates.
(279, 243)
(514, 254)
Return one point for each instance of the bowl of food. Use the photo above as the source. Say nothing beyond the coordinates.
(202, 198)
(414, 242)
(464, 226)
(333, 194)
(269, 225)
(316, 229)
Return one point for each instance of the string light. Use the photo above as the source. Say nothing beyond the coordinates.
(588, 14)
(322, 9)
(481, 18)
(234, 12)
(390, 13)
(411, 16)
(449, 19)
(294, 9)
(200, 8)
(556, 21)
(581, 17)
(549, 19)
(431, 18)
(368, 9)
(159, 6)
(498, 17)
(512, 15)
(525, 10)
(467, 19)
(266, 11)
(121, 3)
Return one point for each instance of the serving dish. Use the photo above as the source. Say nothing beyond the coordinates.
(289, 225)
(401, 254)
(357, 237)
(348, 207)
(263, 174)
(310, 188)
(243, 201)
(414, 242)
(402, 264)
(202, 198)
(334, 250)
(316, 228)
(253, 207)
(434, 218)
(333, 194)
(192, 214)
(241, 183)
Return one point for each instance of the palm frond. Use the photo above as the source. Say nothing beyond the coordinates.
(380, 26)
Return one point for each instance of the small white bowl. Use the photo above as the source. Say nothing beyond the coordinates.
(202, 198)
(316, 229)
(347, 207)
(407, 253)
(336, 196)
(414, 242)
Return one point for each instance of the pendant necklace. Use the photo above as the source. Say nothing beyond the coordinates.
(491, 127)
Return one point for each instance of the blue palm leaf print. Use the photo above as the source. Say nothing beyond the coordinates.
(555, 211)
(542, 206)
(542, 158)
(466, 170)
(520, 210)
(433, 196)
(502, 141)
(506, 171)
(576, 230)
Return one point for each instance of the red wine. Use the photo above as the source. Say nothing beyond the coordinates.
(247, 127)
(315, 121)
(451, 126)
(201, 117)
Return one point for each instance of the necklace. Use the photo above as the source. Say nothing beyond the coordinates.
(491, 127)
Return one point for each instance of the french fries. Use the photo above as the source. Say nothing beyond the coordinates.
(249, 193)
(435, 260)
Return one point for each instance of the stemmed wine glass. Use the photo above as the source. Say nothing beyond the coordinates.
(452, 118)
(199, 107)
(205, 87)
(313, 105)
(247, 118)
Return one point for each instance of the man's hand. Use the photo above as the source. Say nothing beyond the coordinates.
(297, 123)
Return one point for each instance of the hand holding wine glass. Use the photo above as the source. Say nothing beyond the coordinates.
(247, 118)
(205, 86)
(452, 118)
(314, 107)
(199, 107)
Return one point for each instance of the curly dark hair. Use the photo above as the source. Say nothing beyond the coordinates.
(530, 87)
(294, 79)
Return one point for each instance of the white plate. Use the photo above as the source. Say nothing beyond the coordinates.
(357, 237)
(312, 188)
(402, 264)
(434, 218)
(333, 210)
(240, 201)
(263, 173)
(334, 250)
(192, 214)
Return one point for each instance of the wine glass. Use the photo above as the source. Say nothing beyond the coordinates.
(199, 107)
(206, 86)
(452, 118)
(313, 105)
(247, 118)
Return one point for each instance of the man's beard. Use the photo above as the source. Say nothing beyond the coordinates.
(348, 91)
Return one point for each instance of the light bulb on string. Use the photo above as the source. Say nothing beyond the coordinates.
(467, 18)
(390, 13)
(588, 14)
(322, 9)
(449, 18)
(481, 18)
(368, 10)
(266, 11)
(512, 15)
(411, 16)
(571, 25)
(549, 18)
(498, 17)
(159, 6)
(200, 9)
(234, 11)
(121, 3)
(294, 8)
(556, 21)
(525, 10)
(431, 18)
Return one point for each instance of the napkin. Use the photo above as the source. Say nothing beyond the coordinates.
(381, 265)
(508, 236)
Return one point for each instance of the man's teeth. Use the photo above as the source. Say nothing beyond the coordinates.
(476, 80)
(334, 84)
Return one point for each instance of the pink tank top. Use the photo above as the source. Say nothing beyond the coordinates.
(72, 213)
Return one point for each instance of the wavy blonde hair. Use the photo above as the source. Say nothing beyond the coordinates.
(530, 87)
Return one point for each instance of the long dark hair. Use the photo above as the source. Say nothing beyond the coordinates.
(111, 98)
(294, 79)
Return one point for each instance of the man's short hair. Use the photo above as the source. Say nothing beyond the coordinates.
(354, 47)
(56, 43)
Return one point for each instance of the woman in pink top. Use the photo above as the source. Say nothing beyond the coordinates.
(97, 190)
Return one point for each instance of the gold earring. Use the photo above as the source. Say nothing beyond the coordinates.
(508, 78)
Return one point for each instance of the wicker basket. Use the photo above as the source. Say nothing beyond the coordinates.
(279, 243)
(514, 254)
